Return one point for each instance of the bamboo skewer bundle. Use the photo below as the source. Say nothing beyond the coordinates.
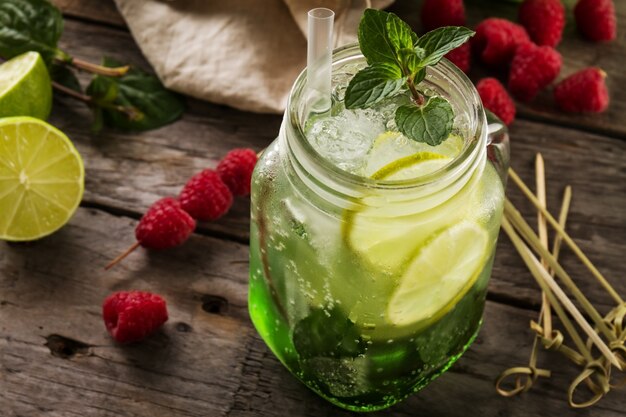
(608, 333)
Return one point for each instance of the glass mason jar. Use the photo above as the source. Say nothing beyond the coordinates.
(368, 289)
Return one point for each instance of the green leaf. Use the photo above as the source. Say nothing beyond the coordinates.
(29, 25)
(419, 76)
(439, 42)
(103, 90)
(399, 33)
(431, 123)
(372, 84)
(410, 59)
(327, 333)
(98, 122)
(373, 39)
(65, 76)
(140, 94)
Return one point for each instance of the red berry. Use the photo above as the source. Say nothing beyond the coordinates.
(438, 13)
(205, 197)
(584, 91)
(496, 99)
(596, 19)
(236, 170)
(544, 20)
(533, 68)
(132, 316)
(164, 225)
(496, 40)
(461, 57)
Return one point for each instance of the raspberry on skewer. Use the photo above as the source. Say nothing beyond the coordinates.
(164, 226)
(235, 169)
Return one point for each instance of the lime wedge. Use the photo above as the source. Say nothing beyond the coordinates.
(25, 88)
(41, 179)
(435, 281)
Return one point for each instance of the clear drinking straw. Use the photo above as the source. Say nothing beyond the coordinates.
(319, 62)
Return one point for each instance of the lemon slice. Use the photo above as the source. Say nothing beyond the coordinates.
(41, 179)
(25, 87)
(441, 273)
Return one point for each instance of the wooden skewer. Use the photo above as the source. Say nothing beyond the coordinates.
(567, 199)
(120, 257)
(542, 228)
(568, 240)
(531, 238)
(551, 288)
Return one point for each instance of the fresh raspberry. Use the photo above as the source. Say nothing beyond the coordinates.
(205, 196)
(544, 20)
(496, 99)
(461, 57)
(164, 225)
(596, 19)
(533, 68)
(132, 316)
(584, 91)
(438, 13)
(496, 40)
(236, 170)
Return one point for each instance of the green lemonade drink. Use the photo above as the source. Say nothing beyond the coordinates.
(370, 252)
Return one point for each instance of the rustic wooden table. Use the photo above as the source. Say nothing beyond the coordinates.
(56, 358)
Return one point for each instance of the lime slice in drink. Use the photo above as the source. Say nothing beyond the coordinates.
(385, 239)
(41, 179)
(25, 88)
(390, 147)
(442, 271)
(412, 166)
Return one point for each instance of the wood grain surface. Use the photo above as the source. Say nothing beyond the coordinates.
(57, 360)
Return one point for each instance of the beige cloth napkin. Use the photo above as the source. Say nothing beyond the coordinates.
(243, 53)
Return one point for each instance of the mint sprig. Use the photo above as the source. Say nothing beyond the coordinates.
(397, 57)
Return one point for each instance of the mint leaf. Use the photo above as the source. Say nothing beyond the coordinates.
(439, 42)
(382, 35)
(64, 76)
(372, 84)
(431, 123)
(29, 25)
(327, 333)
(373, 39)
(145, 101)
(399, 33)
(410, 59)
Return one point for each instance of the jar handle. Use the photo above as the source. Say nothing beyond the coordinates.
(498, 149)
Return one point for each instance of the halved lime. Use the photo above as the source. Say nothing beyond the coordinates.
(442, 272)
(41, 179)
(25, 87)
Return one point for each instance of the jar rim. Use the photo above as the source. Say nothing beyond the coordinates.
(459, 163)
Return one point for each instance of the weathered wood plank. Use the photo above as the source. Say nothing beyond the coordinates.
(103, 11)
(57, 360)
(577, 54)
